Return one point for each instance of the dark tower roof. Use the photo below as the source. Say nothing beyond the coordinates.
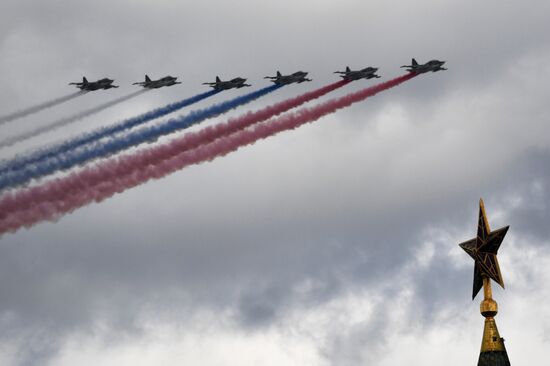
(493, 359)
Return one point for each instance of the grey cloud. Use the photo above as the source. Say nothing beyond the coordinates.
(340, 204)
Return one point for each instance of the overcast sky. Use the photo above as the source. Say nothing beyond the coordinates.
(333, 244)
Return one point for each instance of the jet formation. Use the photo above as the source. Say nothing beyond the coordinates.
(297, 77)
(279, 79)
(155, 84)
(105, 83)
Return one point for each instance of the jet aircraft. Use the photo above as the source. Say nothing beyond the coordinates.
(416, 68)
(230, 84)
(155, 84)
(95, 85)
(366, 73)
(297, 77)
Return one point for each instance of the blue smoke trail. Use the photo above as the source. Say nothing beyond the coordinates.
(42, 154)
(113, 145)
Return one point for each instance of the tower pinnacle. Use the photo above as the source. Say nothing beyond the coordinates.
(483, 249)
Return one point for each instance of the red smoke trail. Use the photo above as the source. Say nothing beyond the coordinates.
(97, 183)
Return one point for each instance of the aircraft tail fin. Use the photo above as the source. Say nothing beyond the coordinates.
(84, 80)
(147, 78)
(413, 62)
(218, 79)
(278, 74)
(348, 69)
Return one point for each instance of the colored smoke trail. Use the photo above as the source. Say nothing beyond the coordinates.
(246, 120)
(115, 144)
(96, 183)
(35, 157)
(67, 120)
(39, 107)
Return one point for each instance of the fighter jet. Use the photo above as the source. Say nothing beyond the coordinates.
(155, 84)
(230, 84)
(416, 68)
(366, 73)
(95, 85)
(297, 77)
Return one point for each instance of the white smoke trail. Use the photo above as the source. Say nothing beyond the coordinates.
(39, 107)
(67, 120)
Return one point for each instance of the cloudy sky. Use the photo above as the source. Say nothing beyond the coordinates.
(333, 244)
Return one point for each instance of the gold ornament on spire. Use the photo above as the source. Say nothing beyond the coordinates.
(483, 249)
